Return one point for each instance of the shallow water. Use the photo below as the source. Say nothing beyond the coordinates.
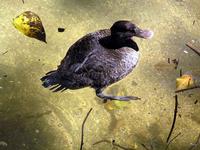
(34, 118)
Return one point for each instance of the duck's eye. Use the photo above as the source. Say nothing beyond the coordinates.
(132, 30)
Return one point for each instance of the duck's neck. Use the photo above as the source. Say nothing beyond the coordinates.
(112, 42)
(118, 40)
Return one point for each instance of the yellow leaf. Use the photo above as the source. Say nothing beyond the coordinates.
(115, 105)
(185, 81)
(30, 24)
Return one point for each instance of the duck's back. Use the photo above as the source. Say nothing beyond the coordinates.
(88, 63)
(80, 50)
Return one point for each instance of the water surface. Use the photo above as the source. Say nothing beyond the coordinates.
(33, 118)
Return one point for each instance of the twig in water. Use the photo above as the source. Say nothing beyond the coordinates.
(151, 146)
(145, 147)
(196, 143)
(4, 53)
(181, 72)
(193, 22)
(196, 102)
(191, 88)
(174, 120)
(172, 140)
(113, 143)
(168, 60)
(82, 131)
(176, 62)
(196, 50)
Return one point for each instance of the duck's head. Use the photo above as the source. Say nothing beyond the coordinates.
(126, 30)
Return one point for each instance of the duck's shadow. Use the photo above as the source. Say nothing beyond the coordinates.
(23, 115)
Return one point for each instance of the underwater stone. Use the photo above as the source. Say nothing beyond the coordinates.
(61, 29)
(3, 143)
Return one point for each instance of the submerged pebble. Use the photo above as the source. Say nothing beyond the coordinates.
(37, 131)
(3, 143)
(61, 29)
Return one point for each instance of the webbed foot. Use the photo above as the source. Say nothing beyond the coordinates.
(99, 93)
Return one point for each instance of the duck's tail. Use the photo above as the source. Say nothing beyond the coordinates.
(53, 79)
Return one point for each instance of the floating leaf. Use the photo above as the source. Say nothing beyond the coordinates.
(30, 24)
(185, 81)
(115, 105)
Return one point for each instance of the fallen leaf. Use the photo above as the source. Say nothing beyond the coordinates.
(185, 81)
(115, 105)
(30, 24)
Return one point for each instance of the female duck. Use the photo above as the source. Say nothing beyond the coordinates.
(98, 60)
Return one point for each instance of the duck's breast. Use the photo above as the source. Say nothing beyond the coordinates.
(129, 60)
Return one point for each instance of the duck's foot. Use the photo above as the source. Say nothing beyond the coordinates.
(99, 93)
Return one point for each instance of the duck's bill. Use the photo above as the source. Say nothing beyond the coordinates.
(146, 34)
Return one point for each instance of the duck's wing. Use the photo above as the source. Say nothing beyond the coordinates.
(79, 53)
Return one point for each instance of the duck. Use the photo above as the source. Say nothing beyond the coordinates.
(98, 60)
